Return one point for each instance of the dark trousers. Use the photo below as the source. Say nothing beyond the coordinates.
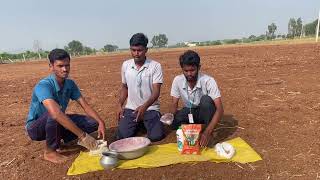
(46, 128)
(151, 120)
(202, 114)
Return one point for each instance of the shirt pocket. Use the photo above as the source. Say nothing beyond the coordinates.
(66, 94)
(147, 73)
(64, 98)
(146, 76)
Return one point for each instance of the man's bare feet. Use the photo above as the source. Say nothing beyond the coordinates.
(54, 157)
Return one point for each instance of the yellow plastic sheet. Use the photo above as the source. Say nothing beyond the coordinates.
(163, 155)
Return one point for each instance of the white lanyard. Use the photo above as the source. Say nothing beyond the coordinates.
(139, 81)
(190, 103)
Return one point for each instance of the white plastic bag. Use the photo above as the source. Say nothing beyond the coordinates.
(167, 118)
(102, 147)
(225, 150)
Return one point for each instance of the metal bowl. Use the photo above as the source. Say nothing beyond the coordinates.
(130, 148)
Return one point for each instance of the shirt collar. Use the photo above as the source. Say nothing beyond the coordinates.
(198, 85)
(145, 65)
(56, 84)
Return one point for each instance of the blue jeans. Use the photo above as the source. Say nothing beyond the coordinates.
(46, 128)
(151, 120)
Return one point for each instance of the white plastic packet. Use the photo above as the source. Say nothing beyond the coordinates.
(102, 147)
(167, 118)
(180, 139)
(225, 150)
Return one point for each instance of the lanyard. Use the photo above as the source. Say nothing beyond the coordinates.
(189, 98)
(139, 77)
(139, 80)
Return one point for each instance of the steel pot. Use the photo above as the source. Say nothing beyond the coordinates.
(109, 159)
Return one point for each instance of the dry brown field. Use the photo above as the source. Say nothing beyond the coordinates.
(271, 97)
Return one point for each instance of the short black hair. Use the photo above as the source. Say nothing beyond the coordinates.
(190, 58)
(58, 54)
(139, 39)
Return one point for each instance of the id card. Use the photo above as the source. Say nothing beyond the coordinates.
(190, 117)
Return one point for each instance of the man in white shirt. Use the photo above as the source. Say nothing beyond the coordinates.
(200, 94)
(141, 81)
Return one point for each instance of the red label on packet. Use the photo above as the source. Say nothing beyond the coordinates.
(191, 133)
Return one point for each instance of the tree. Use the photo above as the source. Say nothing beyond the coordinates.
(292, 27)
(231, 41)
(87, 50)
(215, 42)
(298, 27)
(261, 37)
(160, 40)
(252, 37)
(94, 51)
(271, 30)
(178, 45)
(310, 28)
(74, 47)
(110, 48)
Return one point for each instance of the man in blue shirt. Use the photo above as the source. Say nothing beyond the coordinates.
(47, 119)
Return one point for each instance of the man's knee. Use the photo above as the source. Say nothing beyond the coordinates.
(85, 123)
(155, 128)
(181, 117)
(34, 135)
(92, 126)
(125, 130)
(206, 100)
(121, 134)
(175, 124)
(156, 136)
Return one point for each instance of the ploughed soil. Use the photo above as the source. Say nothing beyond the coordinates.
(271, 97)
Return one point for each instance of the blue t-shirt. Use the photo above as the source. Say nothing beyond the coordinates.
(48, 88)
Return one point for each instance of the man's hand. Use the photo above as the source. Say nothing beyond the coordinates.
(94, 115)
(101, 130)
(120, 113)
(205, 138)
(207, 134)
(140, 112)
(88, 142)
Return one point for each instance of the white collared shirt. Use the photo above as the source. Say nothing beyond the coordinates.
(140, 82)
(205, 85)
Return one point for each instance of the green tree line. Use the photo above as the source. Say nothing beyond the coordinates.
(23, 56)
(295, 29)
(76, 48)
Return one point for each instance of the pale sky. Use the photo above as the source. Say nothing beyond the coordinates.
(96, 23)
